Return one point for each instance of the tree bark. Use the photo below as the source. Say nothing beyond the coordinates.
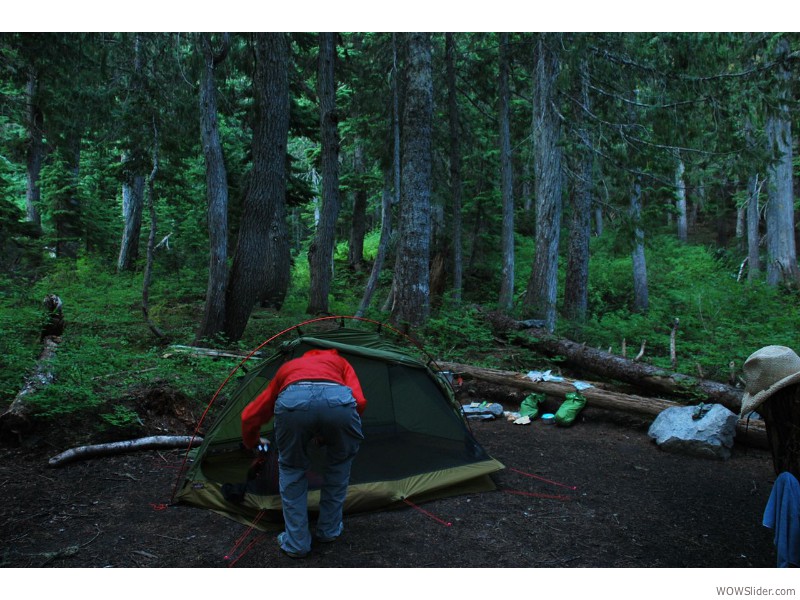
(456, 185)
(752, 432)
(132, 208)
(680, 200)
(261, 265)
(358, 227)
(412, 302)
(113, 448)
(320, 254)
(781, 246)
(541, 294)
(213, 322)
(506, 297)
(151, 242)
(641, 298)
(576, 286)
(753, 235)
(133, 169)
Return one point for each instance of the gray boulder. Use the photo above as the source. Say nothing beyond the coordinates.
(710, 434)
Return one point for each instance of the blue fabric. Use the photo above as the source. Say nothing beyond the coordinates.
(783, 515)
(304, 411)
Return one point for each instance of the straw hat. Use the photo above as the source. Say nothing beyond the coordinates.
(766, 371)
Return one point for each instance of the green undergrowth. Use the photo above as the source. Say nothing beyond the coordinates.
(108, 350)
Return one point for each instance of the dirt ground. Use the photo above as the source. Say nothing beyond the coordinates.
(597, 494)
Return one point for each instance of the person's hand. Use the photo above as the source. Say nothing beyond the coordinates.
(263, 446)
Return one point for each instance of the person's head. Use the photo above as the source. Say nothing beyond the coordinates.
(768, 371)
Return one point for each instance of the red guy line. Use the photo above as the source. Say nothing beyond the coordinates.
(570, 487)
(426, 513)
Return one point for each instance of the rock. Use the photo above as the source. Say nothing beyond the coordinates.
(711, 435)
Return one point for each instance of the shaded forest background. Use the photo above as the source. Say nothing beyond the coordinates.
(213, 189)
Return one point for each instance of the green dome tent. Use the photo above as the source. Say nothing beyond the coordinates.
(417, 446)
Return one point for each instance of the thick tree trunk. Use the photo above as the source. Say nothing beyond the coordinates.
(261, 265)
(456, 186)
(506, 297)
(576, 286)
(781, 246)
(641, 298)
(320, 254)
(213, 321)
(541, 294)
(412, 297)
(752, 432)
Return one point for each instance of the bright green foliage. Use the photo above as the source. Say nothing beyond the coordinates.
(720, 319)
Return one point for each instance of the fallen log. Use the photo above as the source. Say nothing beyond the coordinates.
(16, 421)
(113, 448)
(643, 376)
(752, 433)
(211, 352)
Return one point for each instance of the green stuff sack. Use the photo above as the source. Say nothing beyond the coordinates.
(573, 404)
(530, 406)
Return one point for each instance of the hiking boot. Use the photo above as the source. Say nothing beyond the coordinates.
(289, 553)
(325, 540)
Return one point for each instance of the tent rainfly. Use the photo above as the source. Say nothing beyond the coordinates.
(418, 446)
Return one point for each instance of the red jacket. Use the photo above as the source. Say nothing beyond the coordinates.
(314, 365)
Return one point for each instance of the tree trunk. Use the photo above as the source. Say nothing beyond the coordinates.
(752, 432)
(781, 248)
(641, 300)
(151, 242)
(541, 294)
(506, 298)
(133, 173)
(213, 322)
(132, 208)
(412, 302)
(753, 234)
(680, 200)
(261, 265)
(320, 254)
(456, 185)
(576, 286)
(383, 247)
(358, 227)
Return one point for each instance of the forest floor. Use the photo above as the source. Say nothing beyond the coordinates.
(597, 494)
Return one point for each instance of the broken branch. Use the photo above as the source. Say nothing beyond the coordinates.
(112, 448)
